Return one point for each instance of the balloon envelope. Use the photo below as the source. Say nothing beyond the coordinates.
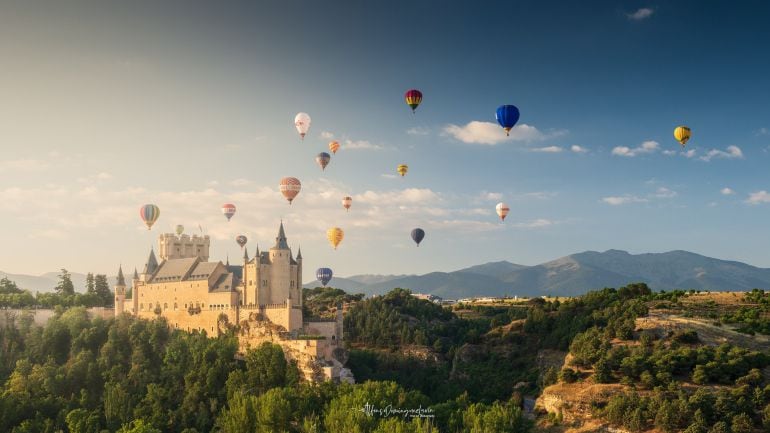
(228, 210)
(334, 146)
(290, 187)
(347, 201)
(324, 275)
(149, 214)
(322, 159)
(502, 210)
(335, 235)
(241, 240)
(302, 123)
(418, 235)
(402, 169)
(682, 134)
(413, 98)
(179, 229)
(507, 116)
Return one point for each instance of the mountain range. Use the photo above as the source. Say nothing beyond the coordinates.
(48, 281)
(571, 275)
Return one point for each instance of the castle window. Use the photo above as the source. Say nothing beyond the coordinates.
(165, 306)
(185, 305)
(174, 306)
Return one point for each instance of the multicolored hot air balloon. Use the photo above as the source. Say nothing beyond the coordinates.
(502, 210)
(507, 116)
(347, 201)
(241, 240)
(290, 187)
(228, 210)
(682, 134)
(413, 98)
(324, 275)
(322, 159)
(179, 229)
(149, 214)
(418, 235)
(335, 236)
(302, 122)
(334, 146)
(402, 169)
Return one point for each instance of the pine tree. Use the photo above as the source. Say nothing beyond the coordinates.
(102, 289)
(65, 286)
(90, 283)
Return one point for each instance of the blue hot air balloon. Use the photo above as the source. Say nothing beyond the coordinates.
(324, 275)
(418, 235)
(507, 116)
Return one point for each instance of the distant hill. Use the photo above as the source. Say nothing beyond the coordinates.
(573, 275)
(48, 281)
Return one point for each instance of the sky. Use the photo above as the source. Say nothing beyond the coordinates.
(106, 106)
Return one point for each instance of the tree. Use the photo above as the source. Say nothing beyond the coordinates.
(102, 290)
(665, 419)
(8, 287)
(742, 424)
(65, 286)
(90, 283)
(602, 371)
(719, 427)
(138, 426)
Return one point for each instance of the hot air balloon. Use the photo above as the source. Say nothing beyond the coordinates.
(149, 214)
(502, 210)
(179, 229)
(324, 275)
(290, 187)
(334, 146)
(413, 98)
(322, 159)
(418, 235)
(402, 169)
(346, 202)
(302, 122)
(335, 235)
(682, 134)
(241, 240)
(228, 210)
(507, 116)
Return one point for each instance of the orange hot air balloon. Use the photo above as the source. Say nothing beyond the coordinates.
(334, 146)
(290, 187)
(347, 201)
(502, 210)
(335, 235)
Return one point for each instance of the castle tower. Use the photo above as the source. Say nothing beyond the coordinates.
(171, 246)
(298, 296)
(279, 284)
(150, 267)
(120, 293)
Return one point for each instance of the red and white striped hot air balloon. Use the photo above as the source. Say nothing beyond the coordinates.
(290, 187)
(502, 210)
(228, 210)
(347, 201)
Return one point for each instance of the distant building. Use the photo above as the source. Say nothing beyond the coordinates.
(427, 297)
(263, 296)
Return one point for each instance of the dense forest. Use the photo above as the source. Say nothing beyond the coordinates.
(420, 367)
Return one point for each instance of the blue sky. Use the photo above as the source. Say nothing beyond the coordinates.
(190, 105)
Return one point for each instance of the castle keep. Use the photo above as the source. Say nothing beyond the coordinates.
(263, 296)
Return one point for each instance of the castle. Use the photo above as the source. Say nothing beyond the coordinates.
(263, 296)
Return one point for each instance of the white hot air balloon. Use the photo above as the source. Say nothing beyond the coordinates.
(502, 210)
(302, 122)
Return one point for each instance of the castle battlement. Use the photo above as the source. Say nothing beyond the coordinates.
(171, 246)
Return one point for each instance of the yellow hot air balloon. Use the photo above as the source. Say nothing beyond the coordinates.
(334, 146)
(682, 134)
(402, 169)
(335, 235)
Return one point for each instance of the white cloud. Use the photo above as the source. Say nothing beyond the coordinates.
(578, 149)
(418, 130)
(669, 152)
(239, 182)
(641, 14)
(726, 191)
(689, 154)
(534, 224)
(762, 131)
(644, 148)
(664, 192)
(493, 196)
(477, 132)
(733, 152)
(24, 164)
(758, 197)
(409, 195)
(548, 149)
(624, 199)
(540, 195)
(327, 135)
(361, 145)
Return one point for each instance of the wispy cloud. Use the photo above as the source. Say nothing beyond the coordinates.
(641, 14)
(664, 192)
(758, 197)
(327, 135)
(644, 148)
(418, 130)
(726, 191)
(548, 149)
(578, 149)
(732, 152)
(534, 224)
(477, 132)
(25, 165)
(361, 145)
(624, 199)
(762, 131)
